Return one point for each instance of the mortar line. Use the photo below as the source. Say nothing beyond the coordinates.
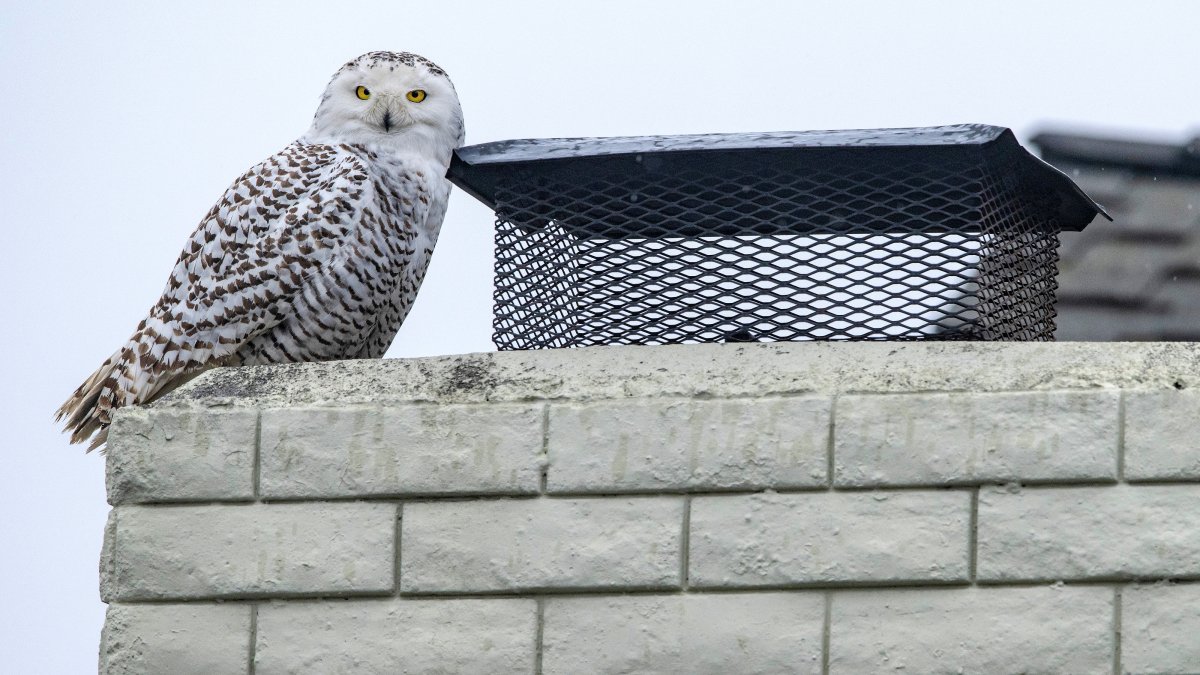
(256, 477)
(973, 537)
(829, 440)
(539, 636)
(1117, 630)
(544, 469)
(702, 491)
(253, 637)
(396, 538)
(594, 591)
(825, 630)
(110, 565)
(685, 543)
(608, 591)
(1121, 437)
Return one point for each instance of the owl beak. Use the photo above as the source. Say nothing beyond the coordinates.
(394, 117)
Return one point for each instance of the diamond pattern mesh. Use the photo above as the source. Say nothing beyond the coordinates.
(864, 246)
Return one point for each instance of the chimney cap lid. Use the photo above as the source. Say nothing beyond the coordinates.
(481, 169)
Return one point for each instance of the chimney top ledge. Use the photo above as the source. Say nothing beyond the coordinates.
(723, 370)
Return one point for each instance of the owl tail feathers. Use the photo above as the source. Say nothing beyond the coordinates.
(128, 377)
(88, 411)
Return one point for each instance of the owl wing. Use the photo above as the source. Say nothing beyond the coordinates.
(277, 228)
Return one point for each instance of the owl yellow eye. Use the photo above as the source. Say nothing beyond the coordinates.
(416, 95)
(362, 92)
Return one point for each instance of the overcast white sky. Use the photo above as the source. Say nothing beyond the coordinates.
(123, 122)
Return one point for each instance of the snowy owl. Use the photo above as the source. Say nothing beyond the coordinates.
(314, 254)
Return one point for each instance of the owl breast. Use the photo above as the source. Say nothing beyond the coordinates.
(355, 305)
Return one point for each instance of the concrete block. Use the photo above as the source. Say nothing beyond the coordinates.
(699, 371)
(1126, 271)
(1160, 435)
(670, 444)
(963, 438)
(196, 552)
(826, 537)
(1122, 531)
(108, 561)
(972, 630)
(1160, 625)
(384, 637)
(527, 544)
(181, 454)
(401, 450)
(184, 639)
(709, 633)
(1163, 204)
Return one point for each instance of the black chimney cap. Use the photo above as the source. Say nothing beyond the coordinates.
(480, 169)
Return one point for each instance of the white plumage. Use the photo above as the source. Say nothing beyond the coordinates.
(315, 254)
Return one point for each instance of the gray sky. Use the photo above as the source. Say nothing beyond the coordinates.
(125, 121)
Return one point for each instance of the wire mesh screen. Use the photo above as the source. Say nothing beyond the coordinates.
(861, 249)
(932, 233)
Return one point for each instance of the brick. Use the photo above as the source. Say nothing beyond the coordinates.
(163, 455)
(1163, 205)
(654, 444)
(185, 639)
(709, 633)
(1121, 271)
(1108, 186)
(824, 537)
(972, 630)
(1159, 628)
(1160, 438)
(960, 438)
(108, 561)
(1144, 531)
(1084, 320)
(374, 637)
(528, 544)
(192, 552)
(401, 450)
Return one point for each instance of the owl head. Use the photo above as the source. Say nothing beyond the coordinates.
(396, 100)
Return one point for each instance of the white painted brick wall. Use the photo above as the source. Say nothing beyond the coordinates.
(191, 639)
(1160, 628)
(396, 636)
(1161, 442)
(663, 444)
(971, 439)
(829, 537)
(181, 455)
(973, 630)
(814, 508)
(519, 544)
(222, 551)
(1119, 531)
(694, 633)
(319, 453)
